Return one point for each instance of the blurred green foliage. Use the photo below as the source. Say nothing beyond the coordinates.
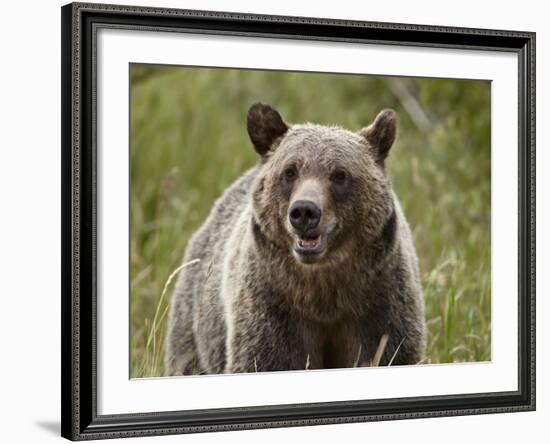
(189, 142)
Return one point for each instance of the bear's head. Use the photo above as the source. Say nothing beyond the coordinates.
(321, 191)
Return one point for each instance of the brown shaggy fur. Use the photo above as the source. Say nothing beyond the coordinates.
(254, 304)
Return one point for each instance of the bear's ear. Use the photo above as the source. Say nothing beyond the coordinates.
(264, 125)
(380, 134)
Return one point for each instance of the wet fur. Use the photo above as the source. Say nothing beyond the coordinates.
(249, 305)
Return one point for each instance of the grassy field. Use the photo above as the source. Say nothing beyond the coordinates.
(189, 142)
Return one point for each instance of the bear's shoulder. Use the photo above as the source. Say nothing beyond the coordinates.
(222, 217)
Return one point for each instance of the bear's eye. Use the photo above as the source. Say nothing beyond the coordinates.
(339, 177)
(290, 173)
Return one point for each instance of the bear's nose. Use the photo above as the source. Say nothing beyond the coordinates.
(304, 215)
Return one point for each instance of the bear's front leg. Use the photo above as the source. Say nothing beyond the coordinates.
(263, 337)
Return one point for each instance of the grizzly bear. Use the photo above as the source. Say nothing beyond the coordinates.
(306, 261)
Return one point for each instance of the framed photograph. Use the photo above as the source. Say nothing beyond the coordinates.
(280, 221)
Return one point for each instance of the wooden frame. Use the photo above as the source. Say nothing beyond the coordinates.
(79, 384)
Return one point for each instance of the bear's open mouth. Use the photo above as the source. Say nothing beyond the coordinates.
(309, 248)
(309, 243)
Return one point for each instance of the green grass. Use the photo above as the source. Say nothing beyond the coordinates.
(189, 142)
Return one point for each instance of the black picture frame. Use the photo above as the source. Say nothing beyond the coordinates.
(79, 171)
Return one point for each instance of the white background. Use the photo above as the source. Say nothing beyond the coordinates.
(30, 222)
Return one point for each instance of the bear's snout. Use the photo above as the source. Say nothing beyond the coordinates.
(304, 215)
